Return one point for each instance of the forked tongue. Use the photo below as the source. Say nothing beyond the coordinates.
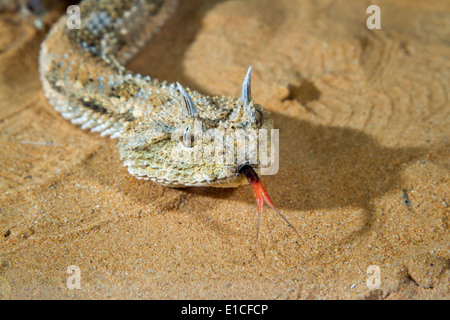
(261, 197)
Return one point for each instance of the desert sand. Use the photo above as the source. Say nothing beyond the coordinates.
(364, 121)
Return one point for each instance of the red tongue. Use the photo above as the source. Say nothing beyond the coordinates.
(258, 189)
(261, 196)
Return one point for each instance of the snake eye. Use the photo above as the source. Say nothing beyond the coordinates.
(187, 138)
(188, 134)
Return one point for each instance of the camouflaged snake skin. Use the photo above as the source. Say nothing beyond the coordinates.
(84, 78)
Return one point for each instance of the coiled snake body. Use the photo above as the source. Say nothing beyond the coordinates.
(84, 78)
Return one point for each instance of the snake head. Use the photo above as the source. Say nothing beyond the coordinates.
(197, 140)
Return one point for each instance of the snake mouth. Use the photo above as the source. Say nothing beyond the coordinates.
(249, 172)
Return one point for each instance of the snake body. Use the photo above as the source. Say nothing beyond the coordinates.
(83, 76)
(157, 123)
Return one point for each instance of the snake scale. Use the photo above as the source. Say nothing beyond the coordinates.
(83, 76)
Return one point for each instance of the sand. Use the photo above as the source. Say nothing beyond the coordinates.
(364, 163)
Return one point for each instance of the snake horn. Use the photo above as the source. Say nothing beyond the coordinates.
(246, 95)
(189, 104)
